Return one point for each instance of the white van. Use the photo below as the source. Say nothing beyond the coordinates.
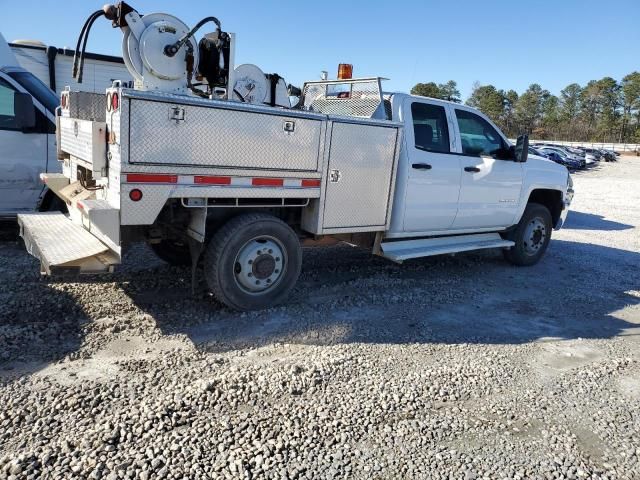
(27, 117)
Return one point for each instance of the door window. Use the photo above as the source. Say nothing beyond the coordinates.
(7, 110)
(478, 137)
(430, 128)
(8, 117)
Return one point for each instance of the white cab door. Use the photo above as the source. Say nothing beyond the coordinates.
(433, 178)
(491, 180)
(23, 156)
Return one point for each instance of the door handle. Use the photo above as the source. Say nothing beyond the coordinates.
(471, 169)
(421, 166)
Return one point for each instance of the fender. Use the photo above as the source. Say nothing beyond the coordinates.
(538, 176)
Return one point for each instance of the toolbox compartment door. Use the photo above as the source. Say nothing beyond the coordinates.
(163, 133)
(361, 167)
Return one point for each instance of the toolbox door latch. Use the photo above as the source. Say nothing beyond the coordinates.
(176, 114)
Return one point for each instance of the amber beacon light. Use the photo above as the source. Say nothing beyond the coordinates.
(345, 71)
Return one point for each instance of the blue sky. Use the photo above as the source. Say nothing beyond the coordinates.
(509, 44)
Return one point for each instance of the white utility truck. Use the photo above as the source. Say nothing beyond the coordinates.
(27, 118)
(205, 160)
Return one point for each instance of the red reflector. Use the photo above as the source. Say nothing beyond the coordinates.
(151, 178)
(267, 182)
(135, 195)
(345, 71)
(115, 101)
(310, 183)
(206, 180)
(64, 101)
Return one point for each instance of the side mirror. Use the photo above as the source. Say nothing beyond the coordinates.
(522, 149)
(24, 111)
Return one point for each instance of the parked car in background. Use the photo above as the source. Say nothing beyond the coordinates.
(590, 159)
(562, 158)
(609, 156)
(569, 160)
(597, 154)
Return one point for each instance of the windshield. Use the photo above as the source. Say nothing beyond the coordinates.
(559, 152)
(39, 90)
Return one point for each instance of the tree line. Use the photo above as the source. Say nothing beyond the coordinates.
(603, 110)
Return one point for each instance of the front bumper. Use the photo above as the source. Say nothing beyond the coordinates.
(566, 202)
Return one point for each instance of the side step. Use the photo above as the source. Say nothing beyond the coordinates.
(64, 247)
(406, 249)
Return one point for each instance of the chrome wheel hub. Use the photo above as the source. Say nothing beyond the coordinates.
(535, 236)
(259, 265)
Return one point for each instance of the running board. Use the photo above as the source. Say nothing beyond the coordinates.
(425, 247)
(63, 246)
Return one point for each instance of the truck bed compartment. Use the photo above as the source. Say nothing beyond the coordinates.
(214, 135)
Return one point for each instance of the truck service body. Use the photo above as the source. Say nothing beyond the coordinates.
(236, 179)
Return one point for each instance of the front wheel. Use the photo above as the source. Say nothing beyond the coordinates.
(253, 262)
(531, 236)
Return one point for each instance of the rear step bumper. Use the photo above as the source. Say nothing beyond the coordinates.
(398, 251)
(64, 247)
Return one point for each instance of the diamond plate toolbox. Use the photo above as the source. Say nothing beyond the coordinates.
(361, 165)
(85, 140)
(209, 135)
(85, 105)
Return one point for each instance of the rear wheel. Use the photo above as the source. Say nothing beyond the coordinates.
(174, 252)
(253, 262)
(531, 236)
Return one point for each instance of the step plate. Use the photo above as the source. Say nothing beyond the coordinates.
(62, 245)
(405, 250)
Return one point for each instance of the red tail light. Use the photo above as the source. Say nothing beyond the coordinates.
(135, 195)
(115, 101)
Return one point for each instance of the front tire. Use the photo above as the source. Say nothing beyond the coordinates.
(531, 236)
(253, 262)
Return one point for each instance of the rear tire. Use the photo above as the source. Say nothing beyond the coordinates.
(253, 262)
(173, 252)
(531, 236)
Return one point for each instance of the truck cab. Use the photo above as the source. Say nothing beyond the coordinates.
(27, 137)
(457, 173)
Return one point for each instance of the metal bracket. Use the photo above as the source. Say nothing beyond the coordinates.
(198, 224)
(195, 249)
(176, 113)
(289, 126)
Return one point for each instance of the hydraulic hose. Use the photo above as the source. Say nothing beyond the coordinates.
(172, 49)
(82, 40)
(75, 52)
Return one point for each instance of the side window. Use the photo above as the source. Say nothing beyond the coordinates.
(477, 135)
(430, 127)
(9, 116)
(7, 110)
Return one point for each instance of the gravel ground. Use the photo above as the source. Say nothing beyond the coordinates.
(449, 367)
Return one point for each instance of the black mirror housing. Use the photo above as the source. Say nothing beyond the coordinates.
(24, 110)
(521, 152)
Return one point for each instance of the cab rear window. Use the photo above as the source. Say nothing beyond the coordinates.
(430, 129)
